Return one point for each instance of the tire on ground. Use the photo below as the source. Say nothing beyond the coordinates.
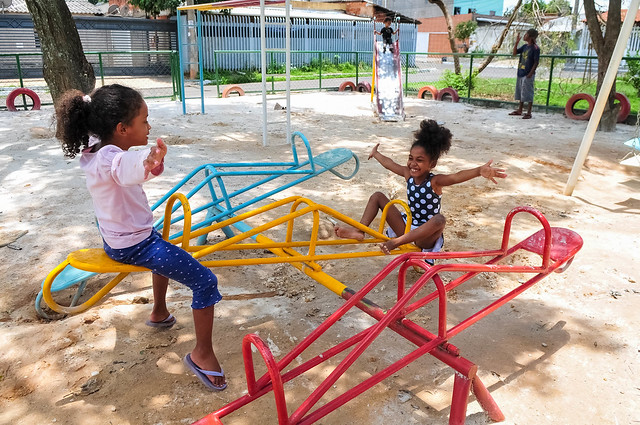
(427, 91)
(448, 94)
(233, 89)
(343, 86)
(625, 107)
(568, 109)
(363, 87)
(27, 92)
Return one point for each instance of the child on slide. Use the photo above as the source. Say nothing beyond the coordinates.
(424, 192)
(102, 127)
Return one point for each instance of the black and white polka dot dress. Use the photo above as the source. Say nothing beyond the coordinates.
(423, 201)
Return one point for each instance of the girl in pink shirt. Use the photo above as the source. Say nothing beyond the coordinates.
(102, 127)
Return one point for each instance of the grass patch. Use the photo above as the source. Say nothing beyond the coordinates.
(561, 90)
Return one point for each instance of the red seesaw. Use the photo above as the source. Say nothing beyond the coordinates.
(557, 246)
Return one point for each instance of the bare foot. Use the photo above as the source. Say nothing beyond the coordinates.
(209, 363)
(348, 233)
(388, 246)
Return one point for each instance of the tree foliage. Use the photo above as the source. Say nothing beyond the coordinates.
(154, 7)
(539, 7)
(465, 29)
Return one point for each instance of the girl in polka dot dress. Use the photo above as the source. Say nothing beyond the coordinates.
(424, 191)
(102, 127)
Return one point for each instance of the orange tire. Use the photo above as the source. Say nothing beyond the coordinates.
(568, 109)
(448, 94)
(363, 87)
(27, 92)
(232, 89)
(425, 91)
(343, 86)
(625, 107)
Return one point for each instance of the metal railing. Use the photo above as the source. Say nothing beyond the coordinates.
(154, 73)
(557, 77)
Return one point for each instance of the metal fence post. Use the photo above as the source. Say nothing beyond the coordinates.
(470, 77)
(215, 70)
(320, 70)
(406, 74)
(19, 70)
(101, 68)
(357, 68)
(549, 85)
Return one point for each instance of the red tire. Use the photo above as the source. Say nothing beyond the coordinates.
(233, 89)
(625, 107)
(17, 92)
(427, 91)
(363, 87)
(343, 86)
(568, 109)
(448, 95)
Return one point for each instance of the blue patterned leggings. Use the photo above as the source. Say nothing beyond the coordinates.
(173, 262)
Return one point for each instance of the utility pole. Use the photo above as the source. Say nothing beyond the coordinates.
(574, 17)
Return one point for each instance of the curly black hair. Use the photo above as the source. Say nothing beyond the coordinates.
(78, 117)
(433, 138)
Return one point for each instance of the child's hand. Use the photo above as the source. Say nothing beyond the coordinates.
(490, 173)
(517, 37)
(374, 151)
(155, 156)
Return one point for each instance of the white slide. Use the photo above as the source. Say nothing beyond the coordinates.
(388, 84)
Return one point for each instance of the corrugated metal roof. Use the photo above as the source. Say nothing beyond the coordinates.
(296, 13)
(76, 7)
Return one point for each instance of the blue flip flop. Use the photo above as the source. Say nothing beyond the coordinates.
(166, 323)
(202, 374)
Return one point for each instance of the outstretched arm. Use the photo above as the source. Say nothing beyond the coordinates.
(389, 163)
(486, 171)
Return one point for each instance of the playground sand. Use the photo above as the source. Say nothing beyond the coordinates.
(566, 351)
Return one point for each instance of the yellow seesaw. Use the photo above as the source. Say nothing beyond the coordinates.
(96, 260)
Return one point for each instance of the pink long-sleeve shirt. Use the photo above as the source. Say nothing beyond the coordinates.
(114, 179)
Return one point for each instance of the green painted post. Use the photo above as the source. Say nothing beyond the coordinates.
(470, 76)
(406, 73)
(215, 68)
(357, 66)
(549, 85)
(101, 68)
(320, 70)
(19, 70)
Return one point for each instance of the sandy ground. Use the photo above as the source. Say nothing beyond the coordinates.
(566, 351)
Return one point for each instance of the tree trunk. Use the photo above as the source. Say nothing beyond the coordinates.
(604, 44)
(65, 66)
(452, 39)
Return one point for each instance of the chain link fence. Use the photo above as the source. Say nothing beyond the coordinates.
(154, 73)
(557, 77)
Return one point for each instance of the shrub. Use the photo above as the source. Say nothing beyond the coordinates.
(458, 81)
(633, 74)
